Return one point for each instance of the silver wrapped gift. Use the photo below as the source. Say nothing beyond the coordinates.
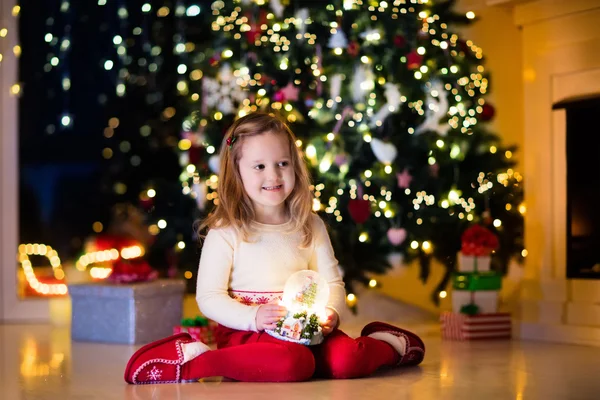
(126, 313)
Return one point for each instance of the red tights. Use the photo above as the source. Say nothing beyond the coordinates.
(258, 357)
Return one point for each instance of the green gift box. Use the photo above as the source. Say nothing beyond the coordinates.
(477, 281)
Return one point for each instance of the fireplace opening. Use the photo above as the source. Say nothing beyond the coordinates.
(583, 187)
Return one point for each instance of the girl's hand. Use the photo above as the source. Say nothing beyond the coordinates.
(331, 321)
(268, 315)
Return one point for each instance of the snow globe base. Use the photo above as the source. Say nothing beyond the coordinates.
(315, 340)
(299, 328)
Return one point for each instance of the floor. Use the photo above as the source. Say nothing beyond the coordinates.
(41, 362)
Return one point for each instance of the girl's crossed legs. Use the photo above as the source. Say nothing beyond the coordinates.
(258, 357)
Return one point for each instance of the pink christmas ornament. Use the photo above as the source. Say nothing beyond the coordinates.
(396, 236)
(404, 179)
(290, 92)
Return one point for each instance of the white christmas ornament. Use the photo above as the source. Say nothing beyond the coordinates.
(277, 7)
(371, 36)
(393, 97)
(363, 82)
(299, 20)
(224, 92)
(437, 108)
(200, 191)
(335, 86)
(385, 152)
(338, 40)
(214, 162)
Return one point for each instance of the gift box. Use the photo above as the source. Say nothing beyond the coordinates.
(199, 328)
(473, 263)
(485, 300)
(477, 244)
(126, 313)
(476, 281)
(457, 326)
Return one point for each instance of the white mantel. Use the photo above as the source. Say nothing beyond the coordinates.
(561, 60)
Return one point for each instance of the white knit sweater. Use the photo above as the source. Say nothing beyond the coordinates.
(259, 269)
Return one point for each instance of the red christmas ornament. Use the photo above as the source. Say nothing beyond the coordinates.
(359, 210)
(399, 41)
(487, 113)
(414, 60)
(353, 48)
(194, 155)
(253, 34)
(214, 61)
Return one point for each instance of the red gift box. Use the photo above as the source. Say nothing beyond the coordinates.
(204, 334)
(457, 326)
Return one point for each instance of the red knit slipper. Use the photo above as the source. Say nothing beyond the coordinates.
(415, 348)
(158, 362)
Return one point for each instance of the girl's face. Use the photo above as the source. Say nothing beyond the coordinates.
(267, 173)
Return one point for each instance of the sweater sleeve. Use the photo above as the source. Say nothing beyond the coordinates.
(212, 288)
(324, 262)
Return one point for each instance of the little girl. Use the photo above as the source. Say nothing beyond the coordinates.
(261, 232)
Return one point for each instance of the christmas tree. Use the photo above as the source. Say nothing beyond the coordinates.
(308, 294)
(389, 107)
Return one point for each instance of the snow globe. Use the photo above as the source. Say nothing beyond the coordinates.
(305, 296)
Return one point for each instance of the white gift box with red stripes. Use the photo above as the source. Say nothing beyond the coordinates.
(457, 326)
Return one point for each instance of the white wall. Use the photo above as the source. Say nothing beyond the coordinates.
(501, 40)
(11, 307)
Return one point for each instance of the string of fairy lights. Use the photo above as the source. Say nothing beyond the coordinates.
(463, 114)
(275, 32)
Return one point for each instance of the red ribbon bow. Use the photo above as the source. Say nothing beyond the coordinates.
(478, 241)
(230, 141)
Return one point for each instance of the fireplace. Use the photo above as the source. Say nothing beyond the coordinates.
(582, 187)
